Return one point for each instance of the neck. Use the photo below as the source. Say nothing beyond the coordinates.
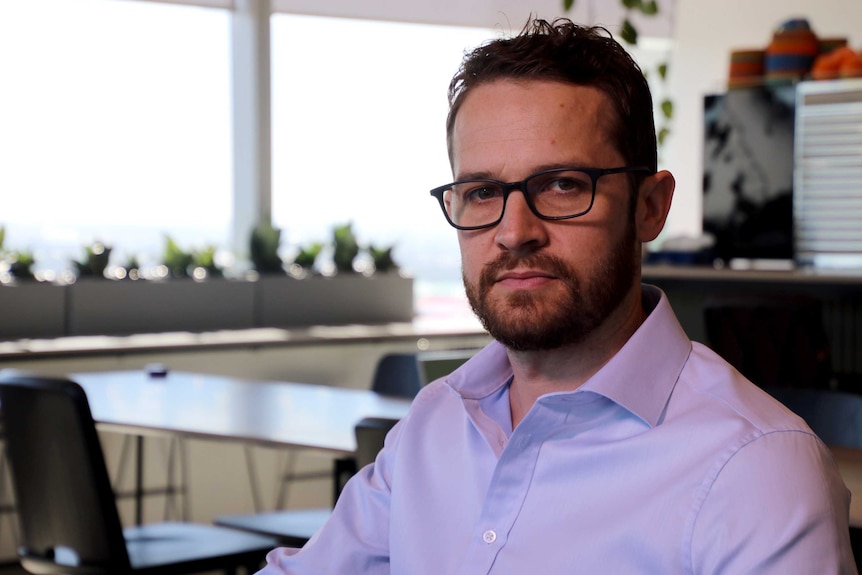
(540, 372)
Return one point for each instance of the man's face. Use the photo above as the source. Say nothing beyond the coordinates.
(539, 284)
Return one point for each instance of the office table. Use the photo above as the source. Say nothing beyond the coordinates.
(218, 407)
(272, 413)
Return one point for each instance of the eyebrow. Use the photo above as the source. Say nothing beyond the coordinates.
(486, 175)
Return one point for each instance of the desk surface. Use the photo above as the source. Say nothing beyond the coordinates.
(217, 407)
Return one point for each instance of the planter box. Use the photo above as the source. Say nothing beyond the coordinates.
(32, 310)
(125, 307)
(283, 301)
(108, 307)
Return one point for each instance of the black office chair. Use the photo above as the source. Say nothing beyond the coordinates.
(8, 512)
(835, 416)
(398, 375)
(66, 507)
(295, 527)
(774, 341)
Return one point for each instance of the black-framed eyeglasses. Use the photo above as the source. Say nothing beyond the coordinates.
(558, 194)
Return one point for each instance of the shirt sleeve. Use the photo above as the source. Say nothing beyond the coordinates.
(355, 539)
(778, 506)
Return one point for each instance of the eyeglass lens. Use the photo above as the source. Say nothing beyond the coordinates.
(562, 193)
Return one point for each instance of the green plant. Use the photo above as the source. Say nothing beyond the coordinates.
(345, 247)
(382, 258)
(18, 263)
(308, 255)
(629, 34)
(95, 261)
(263, 249)
(21, 264)
(204, 259)
(176, 259)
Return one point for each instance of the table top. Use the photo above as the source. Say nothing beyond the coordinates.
(228, 408)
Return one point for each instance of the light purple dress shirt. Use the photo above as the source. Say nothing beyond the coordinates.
(667, 461)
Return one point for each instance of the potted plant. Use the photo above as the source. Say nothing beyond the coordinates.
(340, 298)
(263, 249)
(29, 308)
(176, 260)
(95, 261)
(204, 264)
(345, 248)
(192, 295)
(305, 260)
(381, 258)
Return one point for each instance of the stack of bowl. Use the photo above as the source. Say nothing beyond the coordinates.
(791, 52)
(746, 68)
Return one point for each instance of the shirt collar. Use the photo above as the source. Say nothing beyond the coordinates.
(642, 375)
(639, 378)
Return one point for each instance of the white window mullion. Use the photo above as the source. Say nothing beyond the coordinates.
(252, 116)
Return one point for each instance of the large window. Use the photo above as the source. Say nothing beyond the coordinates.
(359, 111)
(114, 126)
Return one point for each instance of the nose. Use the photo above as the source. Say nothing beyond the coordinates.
(520, 230)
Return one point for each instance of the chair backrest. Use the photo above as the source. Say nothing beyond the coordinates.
(774, 341)
(835, 416)
(440, 363)
(370, 433)
(398, 375)
(66, 507)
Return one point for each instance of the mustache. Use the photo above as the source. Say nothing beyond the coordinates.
(507, 261)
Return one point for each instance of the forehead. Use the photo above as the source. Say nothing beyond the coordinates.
(507, 125)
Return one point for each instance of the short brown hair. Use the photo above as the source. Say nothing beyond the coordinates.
(567, 52)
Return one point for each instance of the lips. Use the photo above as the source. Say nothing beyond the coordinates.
(524, 280)
(525, 275)
(527, 272)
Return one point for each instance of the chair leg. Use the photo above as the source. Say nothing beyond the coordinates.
(7, 510)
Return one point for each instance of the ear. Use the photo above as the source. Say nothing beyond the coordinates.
(654, 198)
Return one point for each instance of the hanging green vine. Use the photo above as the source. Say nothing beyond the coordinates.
(629, 34)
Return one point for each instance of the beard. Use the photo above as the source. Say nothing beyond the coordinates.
(528, 321)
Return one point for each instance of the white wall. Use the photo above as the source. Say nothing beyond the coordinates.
(705, 34)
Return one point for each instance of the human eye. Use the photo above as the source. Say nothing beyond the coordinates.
(478, 192)
(564, 183)
(561, 193)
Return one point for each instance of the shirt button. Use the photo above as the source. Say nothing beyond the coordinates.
(489, 536)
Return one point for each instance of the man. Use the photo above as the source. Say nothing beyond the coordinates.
(593, 436)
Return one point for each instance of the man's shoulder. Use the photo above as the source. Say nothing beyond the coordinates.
(717, 392)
